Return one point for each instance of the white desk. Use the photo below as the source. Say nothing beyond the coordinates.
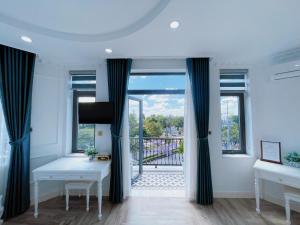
(274, 172)
(71, 169)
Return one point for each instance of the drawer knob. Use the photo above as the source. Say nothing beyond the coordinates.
(81, 177)
(50, 177)
(280, 179)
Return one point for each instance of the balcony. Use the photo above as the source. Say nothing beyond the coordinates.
(157, 166)
(157, 151)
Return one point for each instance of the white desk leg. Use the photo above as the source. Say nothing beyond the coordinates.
(99, 198)
(287, 210)
(67, 199)
(88, 199)
(257, 195)
(36, 198)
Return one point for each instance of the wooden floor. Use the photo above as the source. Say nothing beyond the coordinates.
(156, 211)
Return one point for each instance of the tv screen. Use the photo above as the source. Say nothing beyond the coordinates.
(95, 113)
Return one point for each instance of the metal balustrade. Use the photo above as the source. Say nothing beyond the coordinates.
(158, 151)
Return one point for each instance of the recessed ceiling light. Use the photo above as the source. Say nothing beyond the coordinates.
(26, 39)
(296, 65)
(174, 24)
(108, 50)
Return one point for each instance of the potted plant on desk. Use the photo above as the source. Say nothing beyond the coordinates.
(91, 153)
(293, 159)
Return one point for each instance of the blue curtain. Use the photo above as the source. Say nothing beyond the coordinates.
(198, 69)
(118, 74)
(16, 77)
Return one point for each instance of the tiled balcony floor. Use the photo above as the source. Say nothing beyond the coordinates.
(160, 180)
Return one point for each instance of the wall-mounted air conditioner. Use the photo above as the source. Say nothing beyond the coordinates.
(286, 75)
(284, 71)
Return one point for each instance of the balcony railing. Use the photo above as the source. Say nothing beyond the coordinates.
(157, 151)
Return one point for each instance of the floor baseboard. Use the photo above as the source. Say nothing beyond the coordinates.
(234, 195)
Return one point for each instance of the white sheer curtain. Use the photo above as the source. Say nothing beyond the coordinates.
(125, 152)
(190, 144)
(4, 156)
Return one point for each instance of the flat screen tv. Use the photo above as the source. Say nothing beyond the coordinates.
(95, 113)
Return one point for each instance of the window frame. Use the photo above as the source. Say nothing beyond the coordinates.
(76, 95)
(242, 130)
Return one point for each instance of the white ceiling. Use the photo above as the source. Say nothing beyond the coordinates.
(76, 31)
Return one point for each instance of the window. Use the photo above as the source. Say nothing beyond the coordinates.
(83, 79)
(83, 134)
(233, 123)
(233, 134)
(83, 84)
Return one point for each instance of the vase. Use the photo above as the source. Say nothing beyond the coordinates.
(91, 157)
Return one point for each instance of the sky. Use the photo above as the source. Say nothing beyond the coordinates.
(229, 106)
(168, 104)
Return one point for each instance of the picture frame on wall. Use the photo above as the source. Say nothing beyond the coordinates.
(270, 151)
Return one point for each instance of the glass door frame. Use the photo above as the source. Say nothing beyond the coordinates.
(141, 144)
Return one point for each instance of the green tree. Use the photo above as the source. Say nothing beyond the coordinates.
(133, 125)
(181, 148)
(235, 131)
(224, 133)
(152, 127)
(177, 121)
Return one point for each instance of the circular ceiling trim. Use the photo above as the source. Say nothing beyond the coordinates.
(137, 25)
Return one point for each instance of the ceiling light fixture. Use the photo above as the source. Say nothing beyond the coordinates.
(26, 39)
(297, 65)
(174, 24)
(108, 50)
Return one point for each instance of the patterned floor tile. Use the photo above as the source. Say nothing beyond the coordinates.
(160, 180)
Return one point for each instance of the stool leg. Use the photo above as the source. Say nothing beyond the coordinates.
(87, 199)
(67, 199)
(287, 211)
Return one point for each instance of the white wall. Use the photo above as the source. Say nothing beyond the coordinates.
(232, 175)
(272, 108)
(103, 143)
(276, 117)
(47, 121)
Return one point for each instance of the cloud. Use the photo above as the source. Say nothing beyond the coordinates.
(163, 105)
(180, 101)
(162, 110)
(169, 88)
(159, 98)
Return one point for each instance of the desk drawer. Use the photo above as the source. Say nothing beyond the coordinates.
(279, 178)
(66, 177)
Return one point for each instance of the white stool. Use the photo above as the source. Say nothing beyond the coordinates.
(79, 186)
(290, 194)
